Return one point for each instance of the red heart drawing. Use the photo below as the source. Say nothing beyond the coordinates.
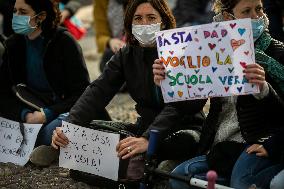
(246, 52)
(212, 46)
(237, 43)
(171, 52)
(243, 64)
(233, 25)
(227, 88)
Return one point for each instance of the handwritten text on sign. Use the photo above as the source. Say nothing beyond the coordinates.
(90, 151)
(206, 60)
(12, 147)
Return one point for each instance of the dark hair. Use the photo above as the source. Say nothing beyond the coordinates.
(220, 6)
(52, 13)
(160, 5)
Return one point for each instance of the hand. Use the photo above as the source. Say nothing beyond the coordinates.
(130, 146)
(258, 149)
(64, 15)
(35, 118)
(59, 139)
(255, 74)
(158, 71)
(115, 44)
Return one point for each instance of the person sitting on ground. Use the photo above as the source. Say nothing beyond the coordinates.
(46, 59)
(242, 120)
(132, 64)
(108, 25)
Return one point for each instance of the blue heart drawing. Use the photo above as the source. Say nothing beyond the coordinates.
(214, 69)
(196, 71)
(240, 89)
(241, 31)
(200, 89)
(231, 69)
(171, 94)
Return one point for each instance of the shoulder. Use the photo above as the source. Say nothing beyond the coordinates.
(14, 40)
(276, 50)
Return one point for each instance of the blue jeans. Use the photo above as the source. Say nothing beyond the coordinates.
(45, 133)
(251, 169)
(278, 181)
(196, 167)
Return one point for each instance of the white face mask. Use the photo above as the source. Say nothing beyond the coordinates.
(145, 34)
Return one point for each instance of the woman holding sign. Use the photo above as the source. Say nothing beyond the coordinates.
(133, 64)
(245, 122)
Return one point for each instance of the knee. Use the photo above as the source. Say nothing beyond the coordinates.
(277, 183)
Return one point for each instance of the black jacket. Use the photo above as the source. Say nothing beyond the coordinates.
(275, 146)
(64, 66)
(132, 65)
(257, 118)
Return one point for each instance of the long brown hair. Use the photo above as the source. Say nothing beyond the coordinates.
(52, 13)
(220, 6)
(160, 5)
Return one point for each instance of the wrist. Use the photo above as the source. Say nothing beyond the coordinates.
(43, 115)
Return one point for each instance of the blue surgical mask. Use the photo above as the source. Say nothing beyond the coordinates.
(258, 27)
(21, 24)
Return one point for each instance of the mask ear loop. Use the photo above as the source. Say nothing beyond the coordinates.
(38, 23)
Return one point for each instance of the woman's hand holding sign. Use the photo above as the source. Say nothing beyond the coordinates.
(59, 139)
(255, 74)
(158, 71)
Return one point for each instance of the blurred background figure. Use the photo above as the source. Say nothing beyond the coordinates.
(7, 7)
(275, 10)
(108, 26)
(192, 12)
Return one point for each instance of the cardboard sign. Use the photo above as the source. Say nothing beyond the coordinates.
(12, 147)
(206, 60)
(90, 151)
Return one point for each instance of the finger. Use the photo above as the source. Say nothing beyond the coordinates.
(124, 143)
(124, 146)
(254, 66)
(260, 154)
(159, 77)
(60, 134)
(123, 152)
(254, 76)
(158, 65)
(57, 143)
(130, 154)
(249, 149)
(60, 140)
(158, 72)
(54, 146)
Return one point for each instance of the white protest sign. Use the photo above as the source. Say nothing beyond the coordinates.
(11, 139)
(206, 60)
(90, 151)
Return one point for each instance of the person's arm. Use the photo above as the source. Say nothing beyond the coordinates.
(166, 121)
(275, 145)
(75, 76)
(100, 92)
(101, 26)
(72, 6)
